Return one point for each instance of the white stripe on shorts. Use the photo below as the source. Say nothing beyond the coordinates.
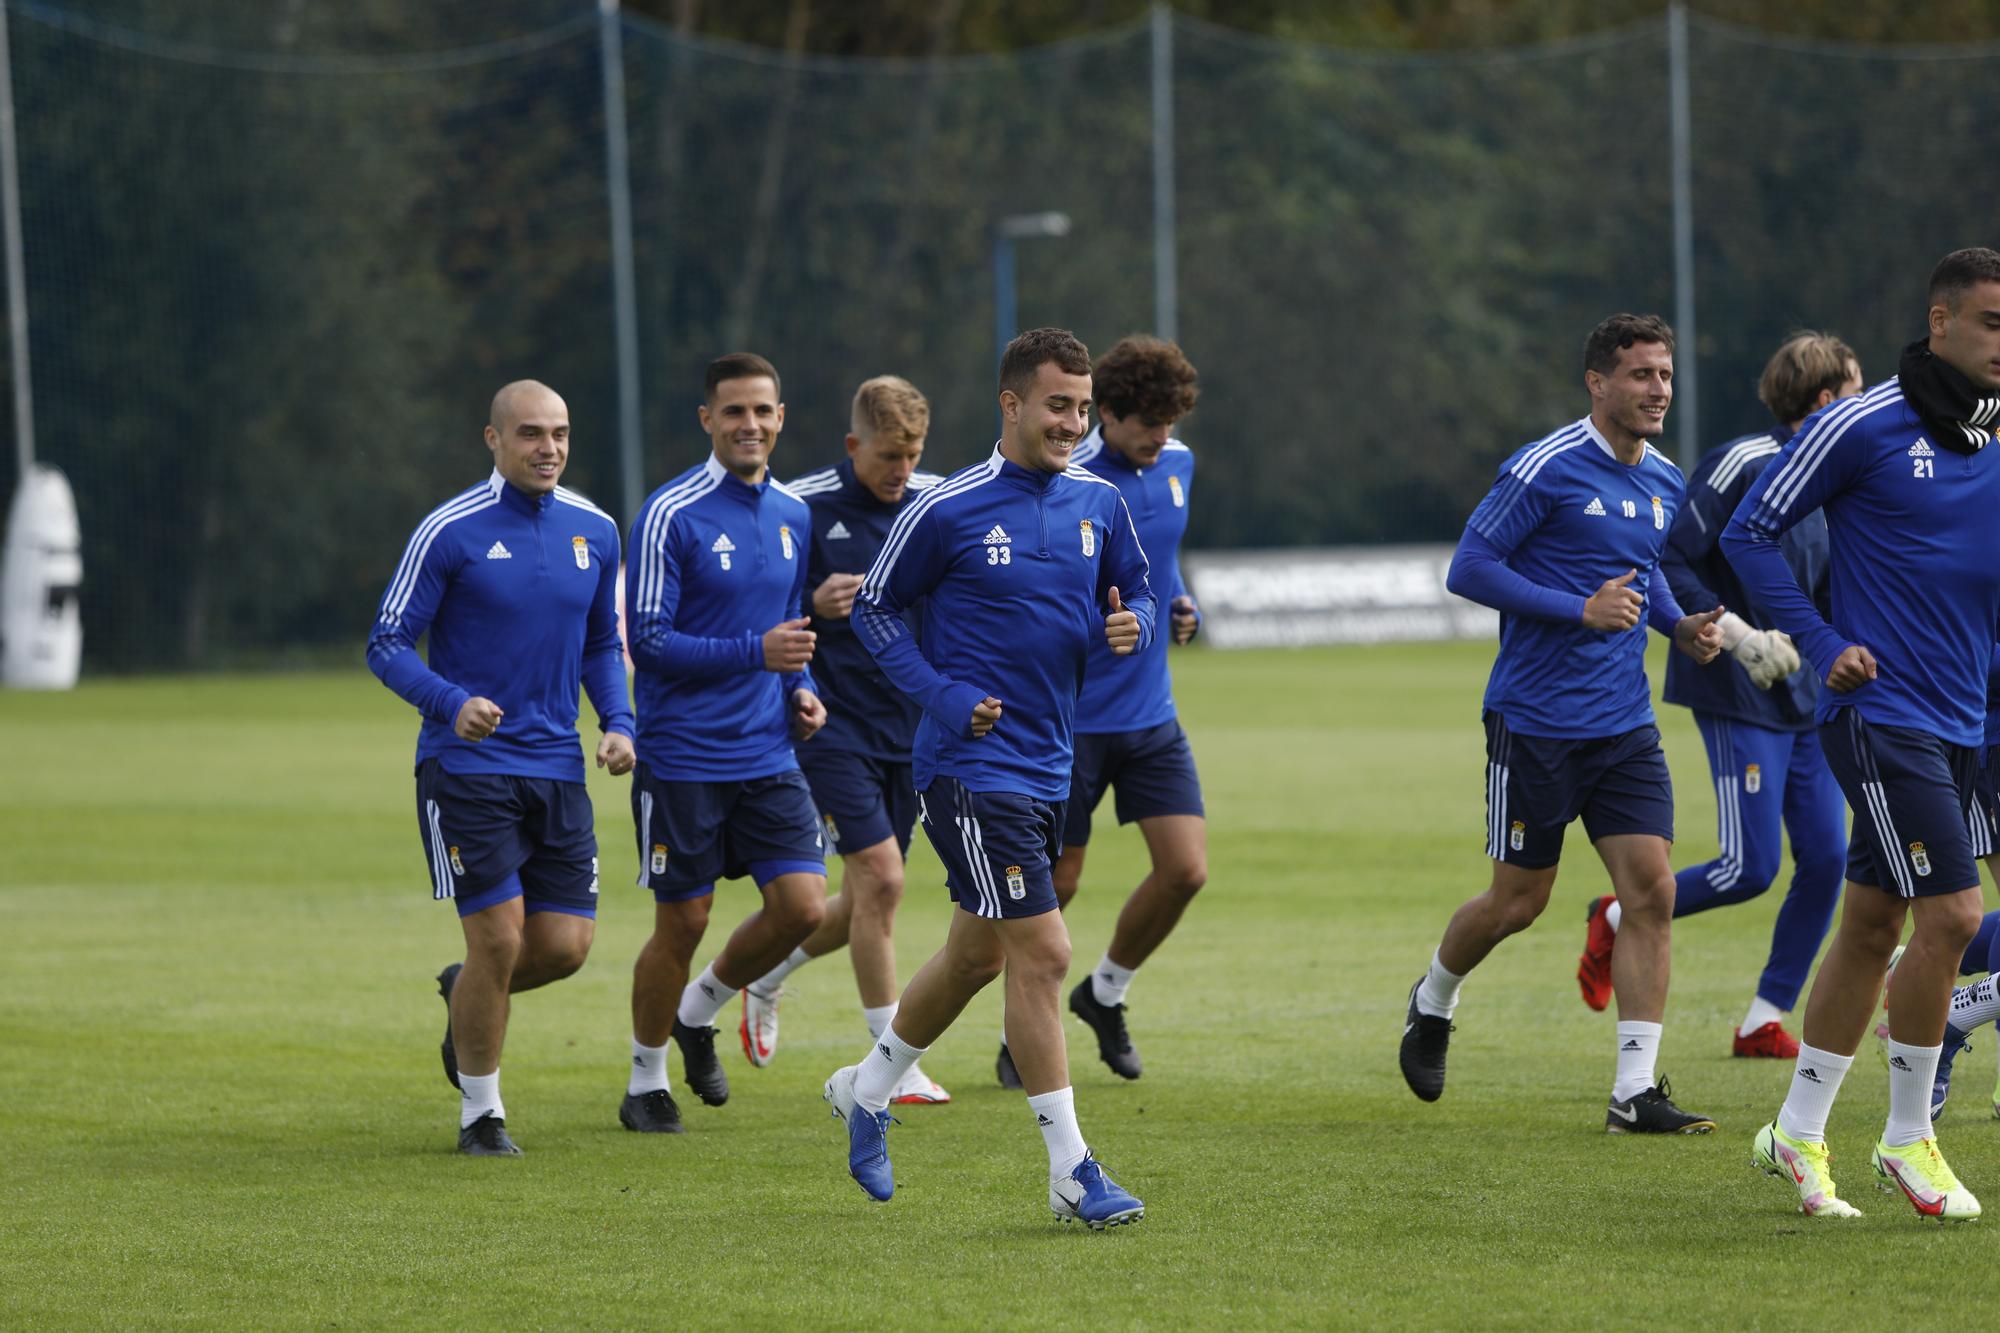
(442, 884)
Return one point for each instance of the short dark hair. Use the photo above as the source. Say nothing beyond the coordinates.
(1032, 350)
(1147, 377)
(1959, 271)
(1803, 365)
(1614, 335)
(741, 366)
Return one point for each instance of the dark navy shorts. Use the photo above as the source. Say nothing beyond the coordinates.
(997, 847)
(693, 833)
(1535, 785)
(1986, 803)
(1152, 771)
(862, 800)
(491, 837)
(1915, 803)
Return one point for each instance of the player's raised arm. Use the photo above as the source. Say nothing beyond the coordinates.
(652, 600)
(1124, 579)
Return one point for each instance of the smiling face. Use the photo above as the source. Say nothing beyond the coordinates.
(527, 433)
(1965, 333)
(1043, 424)
(743, 417)
(1629, 402)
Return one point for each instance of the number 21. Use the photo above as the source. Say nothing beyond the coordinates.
(1923, 467)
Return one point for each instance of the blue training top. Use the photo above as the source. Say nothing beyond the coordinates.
(1915, 561)
(1700, 577)
(715, 563)
(1134, 692)
(1564, 516)
(865, 714)
(519, 594)
(1015, 566)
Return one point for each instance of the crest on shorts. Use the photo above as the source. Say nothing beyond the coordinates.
(659, 861)
(1180, 496)
(1517, 837)
(1089, 537)
(1753, 778)
(1659, 513)
(785, 539)
(1017, 883)
(457, 866)
(832, 829)
(593, 876)
(1920, 860)
(582, 549)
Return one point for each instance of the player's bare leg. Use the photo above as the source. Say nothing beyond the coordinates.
(794, 906)
(661, 972)
(1642, 878)
(554, 945)
(1037, 949)
(479, 998)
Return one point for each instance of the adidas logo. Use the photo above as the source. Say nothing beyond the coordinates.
(1809, 1075)
(1898, 1062)
(1632, 1045)
(1043, 1120)
(838, 532)
(1922, 449)
(887, 1054)
(1596, 506)
(499, 551)
(997, 536)
(639, 1061)
(723, 543)
(707, 990)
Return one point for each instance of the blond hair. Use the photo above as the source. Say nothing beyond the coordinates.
(1803, 365)
(890, 408)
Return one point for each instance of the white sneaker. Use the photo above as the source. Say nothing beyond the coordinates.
(839, 1091)
(918, 1089)
(759, 1027)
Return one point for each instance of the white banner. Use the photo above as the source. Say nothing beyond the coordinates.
(1350, 594)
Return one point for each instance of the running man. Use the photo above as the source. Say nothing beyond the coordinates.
(1022, 561)
(1755, 714)
(1910, 487)
(721, 646)
(516, 582)
(858, 766)
(1566, 546)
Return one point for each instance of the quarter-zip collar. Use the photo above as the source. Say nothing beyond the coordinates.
(734, 486)
(517, 499)
(1116, 457)
(1031, 477)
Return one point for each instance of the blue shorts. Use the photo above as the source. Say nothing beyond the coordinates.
(1152, 770)
(1915, 803)
(862, 800)
(1535, 785)
(693, 833)
(1986, 803)
(997, 847)
(491, 837)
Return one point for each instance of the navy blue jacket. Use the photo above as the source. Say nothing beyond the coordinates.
(1702, 579)
(519, 595)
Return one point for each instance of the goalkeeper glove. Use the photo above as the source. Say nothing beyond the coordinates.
(1767, 654)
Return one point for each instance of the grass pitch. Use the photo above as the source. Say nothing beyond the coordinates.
(220, 1101)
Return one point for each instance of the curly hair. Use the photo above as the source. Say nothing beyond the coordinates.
(1145, 377)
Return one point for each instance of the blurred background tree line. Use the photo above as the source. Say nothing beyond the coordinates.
(279, 261)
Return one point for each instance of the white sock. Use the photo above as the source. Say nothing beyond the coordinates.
(1638, 1048)
(1815, 1082)
(888, 1060)
(1110, 981)
(1977, 1004)
(703, 999)
(649, 1069)
(878, 1018)
(1911, 1071)
(1614, 914)
(1762, 1011)
(1055, 1112)
(479, 1094)
(1438, 993)
(767, 985)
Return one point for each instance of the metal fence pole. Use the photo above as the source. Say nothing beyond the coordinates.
(624, 297)
(1687, 376)
(17, 268)
(1166, 285)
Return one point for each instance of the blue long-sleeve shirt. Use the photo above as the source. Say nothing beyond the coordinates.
(1015, 566)
(1563, 516)
(519, 595)
(1700, 577)
(1136, 691)
(715, 563)
(865, 714)
(1914, 561)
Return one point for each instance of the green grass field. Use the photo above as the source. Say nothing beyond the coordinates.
(220, 1101)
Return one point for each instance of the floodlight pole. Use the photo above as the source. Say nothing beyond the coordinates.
(1018, 227)
(624, 297)
(1687, 376)
(17, 268)
(1166, 282)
